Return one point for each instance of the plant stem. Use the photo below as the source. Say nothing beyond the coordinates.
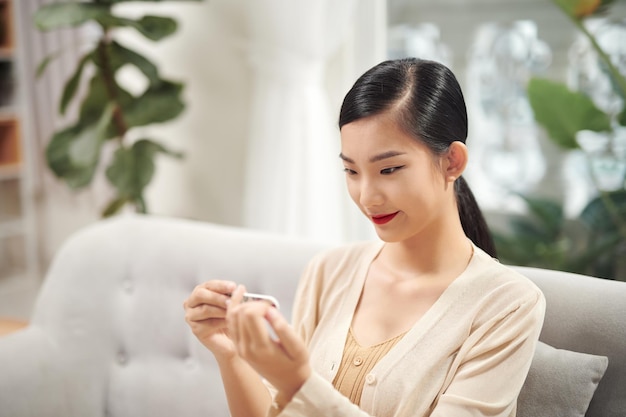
(111, 87)
(614, 213)
(620, 81)
(610, 207)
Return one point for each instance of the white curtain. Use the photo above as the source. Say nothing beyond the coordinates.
(294, 184)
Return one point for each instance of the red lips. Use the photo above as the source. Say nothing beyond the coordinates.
(384, 218)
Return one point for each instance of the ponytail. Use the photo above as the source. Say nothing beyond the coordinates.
(472, 220)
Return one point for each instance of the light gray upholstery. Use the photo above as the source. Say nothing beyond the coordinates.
(108, 336)
(586, 314)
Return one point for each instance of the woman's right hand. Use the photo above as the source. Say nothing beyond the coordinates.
(205, 313)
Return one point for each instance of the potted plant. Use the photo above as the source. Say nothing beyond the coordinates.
(107, 111)
(595, 241)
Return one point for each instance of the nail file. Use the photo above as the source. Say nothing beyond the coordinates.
(248, 296)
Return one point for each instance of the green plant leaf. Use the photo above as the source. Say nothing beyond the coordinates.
(621, 118)
(548, 212)
(85, 148)
(73, 153)
(563, 112)
(121, 56)
(140, 205)
(94, 102)
(158, 104)
(97, 99)
(529, 228)
(598, 218)
(69, 91)
(114, 206)
(132, 168)
(57, 154)
(599, 248)
(152, 27)
(60, 163)
(69, 14)
(156, 27)
(43, 65)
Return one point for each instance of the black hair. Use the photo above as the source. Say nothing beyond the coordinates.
(426, 100)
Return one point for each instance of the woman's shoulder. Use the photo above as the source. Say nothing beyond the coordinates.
(493, 274)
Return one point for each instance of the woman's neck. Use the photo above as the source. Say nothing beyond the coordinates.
(430, 254)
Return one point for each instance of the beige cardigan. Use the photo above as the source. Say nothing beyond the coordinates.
(467, 356)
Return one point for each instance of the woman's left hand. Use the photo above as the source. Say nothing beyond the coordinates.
(282, 360)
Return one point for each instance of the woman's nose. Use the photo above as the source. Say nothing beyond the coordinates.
(370, 195)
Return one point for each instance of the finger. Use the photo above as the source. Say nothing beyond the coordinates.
(208, 324)
(232, 314)
(237, 296)
(205, 312)
(208, 293)
(220, 286)
(289, 339)
(253, 332)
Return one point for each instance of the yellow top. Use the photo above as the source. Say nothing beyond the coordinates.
(356, 364)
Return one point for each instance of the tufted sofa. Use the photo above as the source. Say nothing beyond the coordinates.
(108, 337)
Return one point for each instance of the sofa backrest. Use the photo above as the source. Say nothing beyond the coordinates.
(587, 314)
(113, 302)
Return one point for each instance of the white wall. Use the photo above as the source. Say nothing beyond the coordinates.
(207, 53)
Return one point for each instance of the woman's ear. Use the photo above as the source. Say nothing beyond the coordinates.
(455, 160)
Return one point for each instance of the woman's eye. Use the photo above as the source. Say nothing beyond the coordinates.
(391, 170)
(349, 171)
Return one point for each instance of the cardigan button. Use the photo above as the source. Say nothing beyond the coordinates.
(357, 361)
(370, 379)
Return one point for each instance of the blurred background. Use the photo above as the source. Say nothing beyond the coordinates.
(237, 122)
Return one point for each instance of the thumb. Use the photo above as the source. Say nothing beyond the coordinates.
(289, 340)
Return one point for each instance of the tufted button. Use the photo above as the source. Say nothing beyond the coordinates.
(127, 286)
(370, 379)
(357, 361)
(190, 362)
(122, 358)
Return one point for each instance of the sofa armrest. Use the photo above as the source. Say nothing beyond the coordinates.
(31, 382)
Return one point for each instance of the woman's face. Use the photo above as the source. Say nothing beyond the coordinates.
(393, 179)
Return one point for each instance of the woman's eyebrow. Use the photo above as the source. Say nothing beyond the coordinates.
(345, 158)
(385, 155)
(375, 158)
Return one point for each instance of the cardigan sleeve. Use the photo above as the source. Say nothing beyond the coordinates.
(305, 315)
(494, 363)
(317, 397)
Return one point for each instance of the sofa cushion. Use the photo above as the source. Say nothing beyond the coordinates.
(560, 383)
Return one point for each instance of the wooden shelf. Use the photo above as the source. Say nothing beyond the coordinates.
(6, 25)
(18, 244)
(10, 171)
(10, 149)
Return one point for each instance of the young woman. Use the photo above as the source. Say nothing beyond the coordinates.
(423, 323)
